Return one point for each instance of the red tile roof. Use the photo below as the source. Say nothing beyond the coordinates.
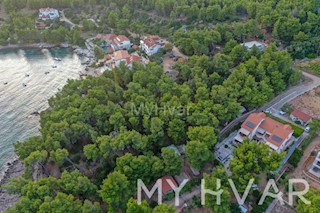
(165, 185)
(279, 132)
(276, 129)
(301, 115)
(120, 54)
(107, 56)
(121, 38)
(255, 119)
(152, 41)
(108, 37)
(133, 58)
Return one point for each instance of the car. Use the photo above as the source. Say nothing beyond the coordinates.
(282, 112)
(307, 129)
(268, 112)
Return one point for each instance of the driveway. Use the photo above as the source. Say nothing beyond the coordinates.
(281, 99)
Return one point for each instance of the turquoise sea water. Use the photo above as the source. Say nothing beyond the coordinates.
(27, 80)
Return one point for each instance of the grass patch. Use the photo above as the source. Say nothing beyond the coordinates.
(298, 131)
(312, 66)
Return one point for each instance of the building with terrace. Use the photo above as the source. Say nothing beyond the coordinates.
(263, 129)
(46, 14)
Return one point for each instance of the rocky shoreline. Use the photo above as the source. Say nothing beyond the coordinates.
(27, 46)
(15, 169)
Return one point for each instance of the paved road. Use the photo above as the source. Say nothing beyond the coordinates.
(296, 91)
(281, 99)
(293, 147)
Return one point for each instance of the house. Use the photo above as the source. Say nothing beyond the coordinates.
(133, 59)
(151, 44)
(301, 117)
(315, 167)
(166, 188)
(121, 42)
(46, 14)
(115, 42)
(259, 45)
(121, 56)
(41, 25)
(259, 127)
(108, 38)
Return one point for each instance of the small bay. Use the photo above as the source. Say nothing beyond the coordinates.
(28, 78)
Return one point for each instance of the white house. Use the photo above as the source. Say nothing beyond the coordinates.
(48, 13)
(259, 45)
(121, 42)
(315, 167)
(300, 116)
(265, 130)
(151, 44)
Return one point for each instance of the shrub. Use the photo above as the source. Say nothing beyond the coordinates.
(295, 157)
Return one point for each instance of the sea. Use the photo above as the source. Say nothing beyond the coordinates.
(28, 78)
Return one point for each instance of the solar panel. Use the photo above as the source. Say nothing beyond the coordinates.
(276, 138)
(250, 124)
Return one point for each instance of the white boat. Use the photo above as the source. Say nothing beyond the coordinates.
(57, 59)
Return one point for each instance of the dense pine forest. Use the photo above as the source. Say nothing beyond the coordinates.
(101, 134)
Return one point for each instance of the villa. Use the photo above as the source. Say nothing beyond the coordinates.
(121, 42)
(115, 42)
(315, 167)
(121, 56)
(46, 14)
(259, 127)
(151, 44)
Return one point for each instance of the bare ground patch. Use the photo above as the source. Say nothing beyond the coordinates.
(308, 103)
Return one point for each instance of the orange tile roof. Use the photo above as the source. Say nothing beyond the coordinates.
(276, 129)
(108, 37)
(301, 115)
(255, 119)
(133, 58)
(165, 185)
(151, 41)
(120, 54)
(121, 38)
(107, 56)
(279, 132)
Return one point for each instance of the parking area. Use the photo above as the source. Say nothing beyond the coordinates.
(224, 150)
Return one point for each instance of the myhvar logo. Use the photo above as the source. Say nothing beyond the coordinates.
(153, 109)
(218, 193)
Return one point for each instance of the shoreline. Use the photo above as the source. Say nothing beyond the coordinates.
(29, 46)
(15, 169)
(80, 51)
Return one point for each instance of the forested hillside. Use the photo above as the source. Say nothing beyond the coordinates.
(291, 24)
(115, 128)
(101, 134)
